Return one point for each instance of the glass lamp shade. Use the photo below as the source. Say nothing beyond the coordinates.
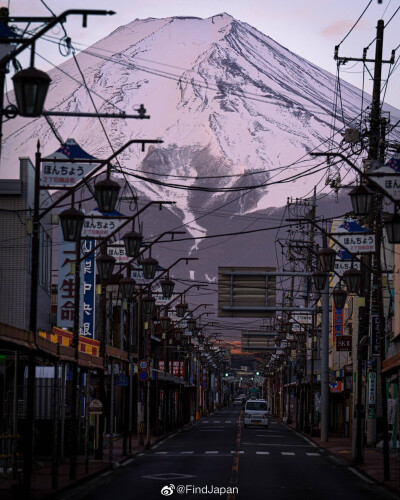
(127, 287)
(361, 200)
(167, 287)
(165, 322)
(106, 193)
(132, 242)
(71, 224)
(105, 266)
(149, 267)
(149, 304)
(320, 278)
(339, 297)
(191, 324)
(181, 309)
(352, 279)
(31, 86)
(392, 225)
(327, 257)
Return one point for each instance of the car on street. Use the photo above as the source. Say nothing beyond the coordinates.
(256, 413)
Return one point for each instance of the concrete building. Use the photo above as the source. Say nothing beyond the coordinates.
(16, 210)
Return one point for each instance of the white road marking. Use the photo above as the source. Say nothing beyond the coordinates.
(216, 421)
(140, 454)
(106, 473)
(171, 436)
(211, 452)
(287, 453)
(267, 435)
(187, 452)
(262, 452)
(279, 444)
(160, 452)
(128, 462)
(228, 421)
(361, 476)
(235, 451)
(205, 422)
(313, 454)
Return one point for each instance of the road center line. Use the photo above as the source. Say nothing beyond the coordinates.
(235, 464)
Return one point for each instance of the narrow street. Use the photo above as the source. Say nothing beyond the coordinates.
(274, 463)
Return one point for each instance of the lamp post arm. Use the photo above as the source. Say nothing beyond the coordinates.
(94, 171)
(122, 268)
(51, 23)
(104, 240)
(361, 173)
(164, 271)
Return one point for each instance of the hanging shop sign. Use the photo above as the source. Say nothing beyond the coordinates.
(355, 238)
(388, 176)
(56, 173)
(344, 343)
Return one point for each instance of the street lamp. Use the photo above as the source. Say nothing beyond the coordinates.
(165, 322)
(71, 221)
(132, 242)
(127, 287)
(339, 297)
(167, 287)
(149, 267)
(180, 309)
(31, 86)
(392, 225)
(320, 278)
(105, 266)
(191, 324)
(106, 193)
(149, 304)
(327, 257)
(361, 199)
(352, 279)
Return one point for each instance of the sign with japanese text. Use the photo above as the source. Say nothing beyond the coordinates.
(357, 243)
(344, 265)
(88, 295)
(344, 343)
(388, 176)
(375, 337)
(355, 238)
(55, 173)
(100, 225)
(117, 250)
(66, 284)
(63, 174)
(66, 288)
(137, 275)
(372, 390)
(338, 321)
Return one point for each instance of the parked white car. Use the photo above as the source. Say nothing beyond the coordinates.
(256, 413)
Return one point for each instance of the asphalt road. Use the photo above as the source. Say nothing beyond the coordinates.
(218, 453)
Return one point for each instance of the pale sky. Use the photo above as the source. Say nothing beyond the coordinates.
(309, 28)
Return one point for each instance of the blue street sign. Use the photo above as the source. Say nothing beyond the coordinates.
(122, 380)
(143, 376)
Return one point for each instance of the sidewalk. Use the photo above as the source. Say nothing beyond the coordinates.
(42, 480)
(373, 459)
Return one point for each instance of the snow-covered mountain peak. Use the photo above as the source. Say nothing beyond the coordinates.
(234, 108)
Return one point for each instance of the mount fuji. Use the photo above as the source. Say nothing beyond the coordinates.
(233, 107)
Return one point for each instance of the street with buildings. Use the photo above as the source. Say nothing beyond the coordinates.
(133, 364)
